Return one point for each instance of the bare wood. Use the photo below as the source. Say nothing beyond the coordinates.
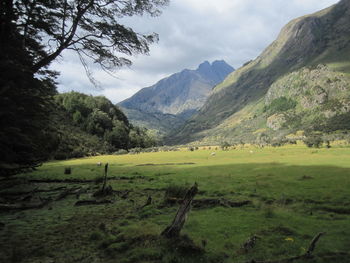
(306, 256)
(105, 177)
(11, 207)
(67, 192)
(175, 228)
(148, 202)
(92, 202)
(313, 243)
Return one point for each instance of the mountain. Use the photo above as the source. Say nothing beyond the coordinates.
(175, 98)
(299, 82)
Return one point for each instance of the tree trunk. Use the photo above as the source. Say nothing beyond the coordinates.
(175, 228)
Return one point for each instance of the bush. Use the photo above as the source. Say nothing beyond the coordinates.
(121, 152)
(313, 140)
(136, 150)
(224, 146)
(280, 105)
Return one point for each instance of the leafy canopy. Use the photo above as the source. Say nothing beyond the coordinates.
(92, 28)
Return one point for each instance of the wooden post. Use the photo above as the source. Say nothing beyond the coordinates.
(105, 178)
(175, 228)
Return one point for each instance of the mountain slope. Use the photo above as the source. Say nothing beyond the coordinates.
(172, 100)
(180, 92)
(320, 38)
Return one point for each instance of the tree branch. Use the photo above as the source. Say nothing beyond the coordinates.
(66, 43)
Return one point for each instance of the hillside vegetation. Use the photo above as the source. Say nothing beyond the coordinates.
(90, 125)
(312, 55)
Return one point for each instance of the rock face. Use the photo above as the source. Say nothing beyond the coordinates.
(276, 121)
(182, 93)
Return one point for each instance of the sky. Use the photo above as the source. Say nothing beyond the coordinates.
(190, 32)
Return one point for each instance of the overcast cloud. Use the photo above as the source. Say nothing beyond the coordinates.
(191, 31)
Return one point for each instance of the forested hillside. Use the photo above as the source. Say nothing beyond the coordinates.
(90, 125)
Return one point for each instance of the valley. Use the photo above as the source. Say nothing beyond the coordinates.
(292, 193)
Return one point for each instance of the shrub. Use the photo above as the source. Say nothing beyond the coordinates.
(313, 140)
(280, 105)
(121, 152)
(225, 145)
(136, 150)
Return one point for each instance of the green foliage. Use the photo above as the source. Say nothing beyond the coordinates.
(35, 33)
(93, 125)
(225, 145)
(338, 122)
(280, 104)
(313, 140)
(101, 37)
(27, 135)
(121, 152)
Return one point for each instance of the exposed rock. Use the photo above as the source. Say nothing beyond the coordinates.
(276, 121)
(181, 92)
(329, 114)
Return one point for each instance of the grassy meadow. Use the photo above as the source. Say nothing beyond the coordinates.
(294, 193)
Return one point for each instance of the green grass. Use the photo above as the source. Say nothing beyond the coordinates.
(295, 193)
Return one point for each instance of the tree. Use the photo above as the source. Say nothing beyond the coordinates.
(262, 139)
(313, 140)
(225, 145)
(33, 33)
(91, 28)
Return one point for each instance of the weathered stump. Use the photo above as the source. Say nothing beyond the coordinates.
(174, 229)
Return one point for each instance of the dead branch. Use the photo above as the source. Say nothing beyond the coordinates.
(210, 202)
(84, 180)
(70, 191)
(92, 202)
(11, 207)
(307, 255)
(148, 202)
(175, 228)
(36, 190)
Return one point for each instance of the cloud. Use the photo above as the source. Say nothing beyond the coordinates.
(191, 31)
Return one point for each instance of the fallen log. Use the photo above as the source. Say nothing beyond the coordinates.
(70, 191)
(12, 207)
(210, 202)
(36, 190)
(83, 181)
(204, 203)
(92, 202)
(174, 229)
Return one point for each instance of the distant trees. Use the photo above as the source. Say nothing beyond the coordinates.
(263, 139)
(98, 117)
(313, 140)
(225, 145)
